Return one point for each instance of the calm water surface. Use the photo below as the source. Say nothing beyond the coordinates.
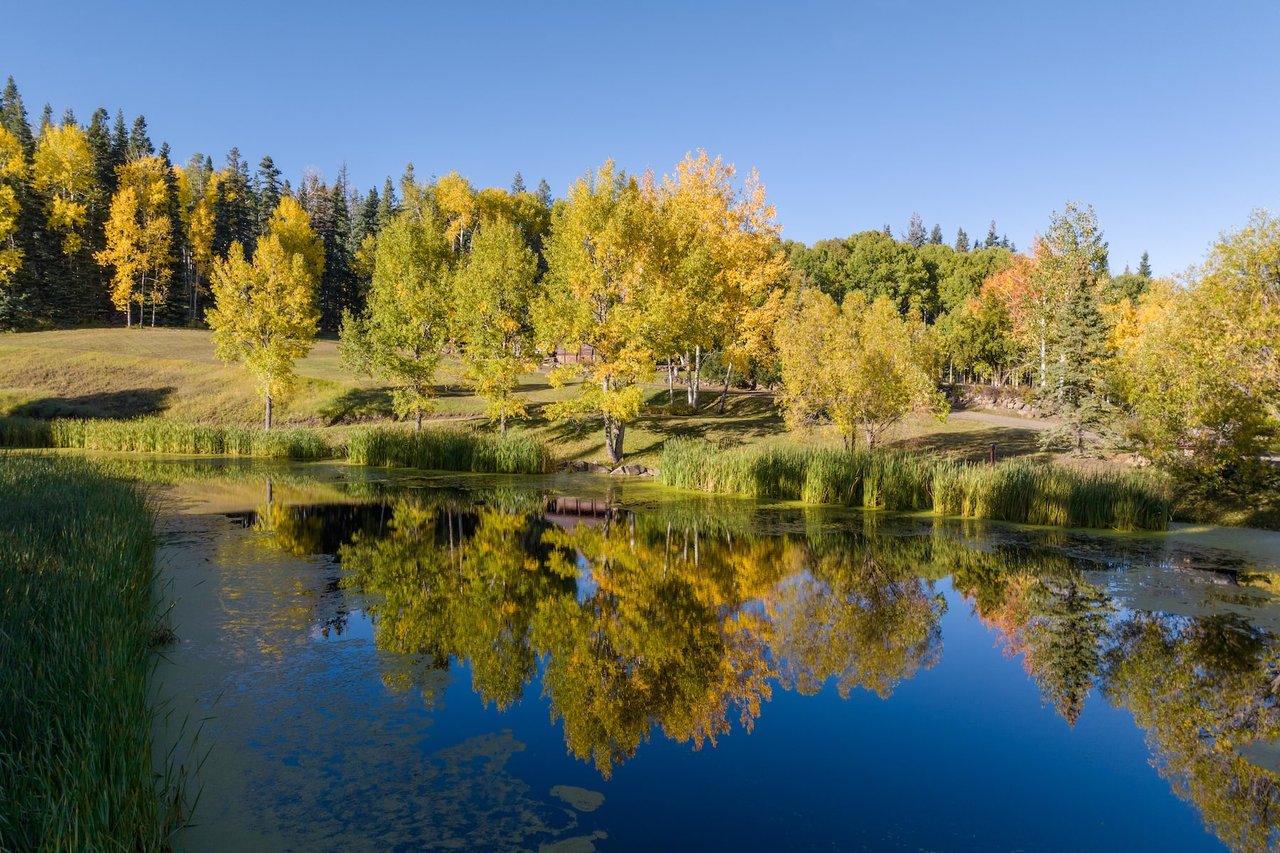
(380, 662)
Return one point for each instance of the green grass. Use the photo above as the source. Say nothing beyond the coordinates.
(1015, 490)
(76, 579)
(449, 449)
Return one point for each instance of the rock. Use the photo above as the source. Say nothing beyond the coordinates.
(593, 468)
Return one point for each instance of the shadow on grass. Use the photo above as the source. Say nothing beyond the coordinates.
(129, 403)
(975, 445)
(356, 405)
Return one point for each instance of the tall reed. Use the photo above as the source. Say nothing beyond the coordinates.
(76, 579)
(160, 435)
(1015, 490)
(449, 449)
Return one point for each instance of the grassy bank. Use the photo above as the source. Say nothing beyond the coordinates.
(1015, 490)
(76, 578)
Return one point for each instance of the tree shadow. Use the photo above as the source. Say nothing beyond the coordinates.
(975, 445)
(358, 404)
(129, 403)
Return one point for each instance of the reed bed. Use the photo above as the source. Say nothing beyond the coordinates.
(1015, 490)
(160, 435)
(449, 449)
(76, 579)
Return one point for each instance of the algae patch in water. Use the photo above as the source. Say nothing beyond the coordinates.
(580, 798)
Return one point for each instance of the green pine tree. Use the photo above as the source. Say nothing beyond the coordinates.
(268, 191)
(1077, 375)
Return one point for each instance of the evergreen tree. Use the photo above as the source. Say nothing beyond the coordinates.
(888, 231)
(962, 240)
(935, 236)
(139, 145)
(544, 193)
(119, 140)
(1077, 375)
(387, 204)
(915, 232)
(992, 240)
(268, 190)
(13, 117)
(235, 218)
(517, 184)
(46, 117)
(339, 280)
(1144, 266)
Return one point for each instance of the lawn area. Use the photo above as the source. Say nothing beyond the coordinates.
(121, 373)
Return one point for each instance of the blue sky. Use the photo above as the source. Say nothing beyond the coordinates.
(1162, 115)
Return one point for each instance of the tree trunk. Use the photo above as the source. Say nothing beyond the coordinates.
(613, 434)
(502, 424)
(128, 315)
(695, 380)
(268, 418)
(870, 436)
(417, 423)
(1044, 367)
(724, 393)
(671, 381)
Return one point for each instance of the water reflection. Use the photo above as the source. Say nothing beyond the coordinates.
(683, 624)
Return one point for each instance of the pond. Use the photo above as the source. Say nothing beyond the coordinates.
(393, 661)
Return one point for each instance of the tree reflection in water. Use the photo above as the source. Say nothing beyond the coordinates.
(686, 624)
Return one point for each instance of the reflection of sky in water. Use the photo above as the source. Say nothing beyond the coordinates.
(322, 741)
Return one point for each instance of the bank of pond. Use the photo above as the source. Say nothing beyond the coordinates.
(1012, 490)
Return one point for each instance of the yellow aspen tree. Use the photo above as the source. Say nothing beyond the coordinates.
(13, 169)
(492, 294)
(265, 313)
(291, 224)
(144, 248)
(596, 297)
(716, 252)
(63, 172)
(123, 251)
(196, 208)
(856, 367)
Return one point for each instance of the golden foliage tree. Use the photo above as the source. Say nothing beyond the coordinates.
(595, 297)
(63, 170)
(493, 291)
(139, 238)
(858, 367)
(13, 169)
(265, 314)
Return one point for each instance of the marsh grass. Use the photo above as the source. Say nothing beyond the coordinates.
(161, 435)
(449, 449)
(1015, 490)
(76, 577)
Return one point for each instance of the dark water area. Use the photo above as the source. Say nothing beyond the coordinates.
(573, 664)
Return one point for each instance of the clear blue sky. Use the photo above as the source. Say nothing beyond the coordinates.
(1161, 114)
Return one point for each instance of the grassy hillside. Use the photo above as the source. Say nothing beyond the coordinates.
(118, 373)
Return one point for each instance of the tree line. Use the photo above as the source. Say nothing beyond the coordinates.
(656, 278)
